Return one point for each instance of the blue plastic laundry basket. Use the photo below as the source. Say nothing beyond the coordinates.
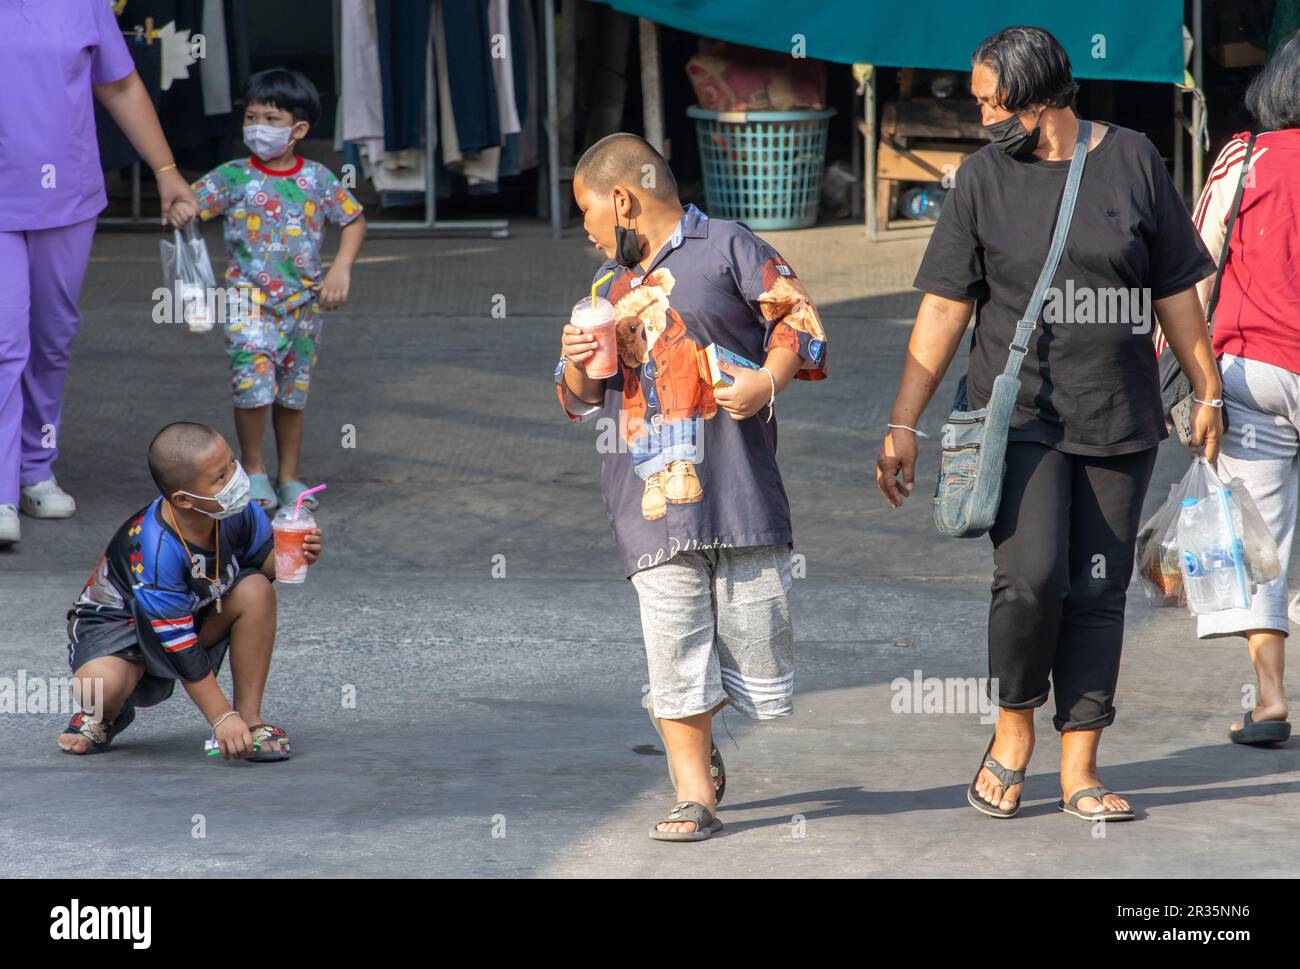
(763, 168)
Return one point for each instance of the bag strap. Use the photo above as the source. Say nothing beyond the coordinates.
(1020, 345)
(1227, 236)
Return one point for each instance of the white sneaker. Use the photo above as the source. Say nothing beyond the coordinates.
(46, 499)
(10, 531)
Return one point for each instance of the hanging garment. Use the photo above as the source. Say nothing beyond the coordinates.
(502, 45)
(214, 72)
(180, 106)
(530, 101)
(402, 28)
(115, 151)
(362, 100)
(468, 57)
(512, 152)
(479, 168)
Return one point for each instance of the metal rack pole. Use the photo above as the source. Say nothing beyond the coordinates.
(552, 121)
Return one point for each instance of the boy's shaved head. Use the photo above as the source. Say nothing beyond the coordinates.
(175, 452)
(630, 160)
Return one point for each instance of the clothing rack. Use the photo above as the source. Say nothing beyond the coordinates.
(496, 228)
(430, 224)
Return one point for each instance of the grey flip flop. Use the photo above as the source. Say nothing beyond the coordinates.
(1006, 777)
(1072, 806)
(1259, 733)
(706, 824)
(717, 769)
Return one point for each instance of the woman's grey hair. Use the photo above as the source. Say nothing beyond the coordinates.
(1273, 98)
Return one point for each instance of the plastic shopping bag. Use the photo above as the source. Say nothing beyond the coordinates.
(1262, 559)
(187, 273)
(1209, 531)
(1159, 561)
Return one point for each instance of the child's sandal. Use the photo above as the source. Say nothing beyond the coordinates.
(260, 491)
(264, 734)
(100, 735)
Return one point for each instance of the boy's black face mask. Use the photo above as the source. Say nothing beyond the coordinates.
(627, 250)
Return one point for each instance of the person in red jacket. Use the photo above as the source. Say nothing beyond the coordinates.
(1257, 343)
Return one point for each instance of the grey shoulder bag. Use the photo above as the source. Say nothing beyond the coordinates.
(973, 462)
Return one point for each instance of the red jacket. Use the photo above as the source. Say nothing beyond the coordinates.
(1258, 313)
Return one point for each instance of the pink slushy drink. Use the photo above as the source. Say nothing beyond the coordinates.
(290, 556)
(598, 320)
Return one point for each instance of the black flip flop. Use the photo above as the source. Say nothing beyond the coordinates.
(706, 824)
(1260, 733)
(1006, 777)
(77, 727)
(1071, 806)
(717, 769)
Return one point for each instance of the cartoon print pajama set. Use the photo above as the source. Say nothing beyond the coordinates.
(273, 228)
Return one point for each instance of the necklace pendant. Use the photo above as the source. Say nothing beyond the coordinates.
(218, 605)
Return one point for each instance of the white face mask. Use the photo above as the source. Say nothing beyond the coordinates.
(233, 498)
(267, 141)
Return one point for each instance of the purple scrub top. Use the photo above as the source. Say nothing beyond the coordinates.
(52, 52)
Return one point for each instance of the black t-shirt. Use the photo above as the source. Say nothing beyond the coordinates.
(1089, 383)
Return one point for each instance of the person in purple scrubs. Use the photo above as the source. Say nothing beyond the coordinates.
(57, 54)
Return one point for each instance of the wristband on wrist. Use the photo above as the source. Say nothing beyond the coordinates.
(771, 402)
(1216, 402)
(222, 719)
(907, 427)
(165, 168)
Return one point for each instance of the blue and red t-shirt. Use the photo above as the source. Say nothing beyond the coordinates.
(146, 580)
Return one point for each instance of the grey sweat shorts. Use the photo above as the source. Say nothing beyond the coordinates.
(716, 624)
(1261, 446)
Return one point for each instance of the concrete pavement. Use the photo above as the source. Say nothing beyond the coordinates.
(497, 728)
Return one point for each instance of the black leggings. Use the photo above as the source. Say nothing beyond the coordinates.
(1063, 555)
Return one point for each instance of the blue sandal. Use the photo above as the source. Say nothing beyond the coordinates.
(260, 491)
(289, 492)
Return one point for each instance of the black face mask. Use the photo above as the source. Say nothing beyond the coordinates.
(1010, 136)
(627, 249)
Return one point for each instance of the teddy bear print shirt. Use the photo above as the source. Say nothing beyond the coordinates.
(679, 473)
(274, 224)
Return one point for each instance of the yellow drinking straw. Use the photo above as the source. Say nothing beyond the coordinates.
(598, 283)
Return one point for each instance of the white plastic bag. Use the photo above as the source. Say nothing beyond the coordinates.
(187, 273)
(1209, 530)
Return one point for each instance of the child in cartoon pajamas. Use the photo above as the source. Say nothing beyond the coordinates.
(275, 206)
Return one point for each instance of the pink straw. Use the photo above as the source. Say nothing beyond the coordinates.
(297, 512)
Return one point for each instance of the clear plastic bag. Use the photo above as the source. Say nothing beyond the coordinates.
(1158, 558)
(1209, 529)
(1262, 558)
(187, 273)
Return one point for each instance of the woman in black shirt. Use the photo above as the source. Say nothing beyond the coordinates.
(1088, 417)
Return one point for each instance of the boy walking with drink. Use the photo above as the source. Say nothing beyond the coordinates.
(693, 490)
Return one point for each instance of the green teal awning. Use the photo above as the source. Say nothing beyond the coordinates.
(1124, 40)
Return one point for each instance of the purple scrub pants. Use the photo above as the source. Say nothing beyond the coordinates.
(40, 279)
